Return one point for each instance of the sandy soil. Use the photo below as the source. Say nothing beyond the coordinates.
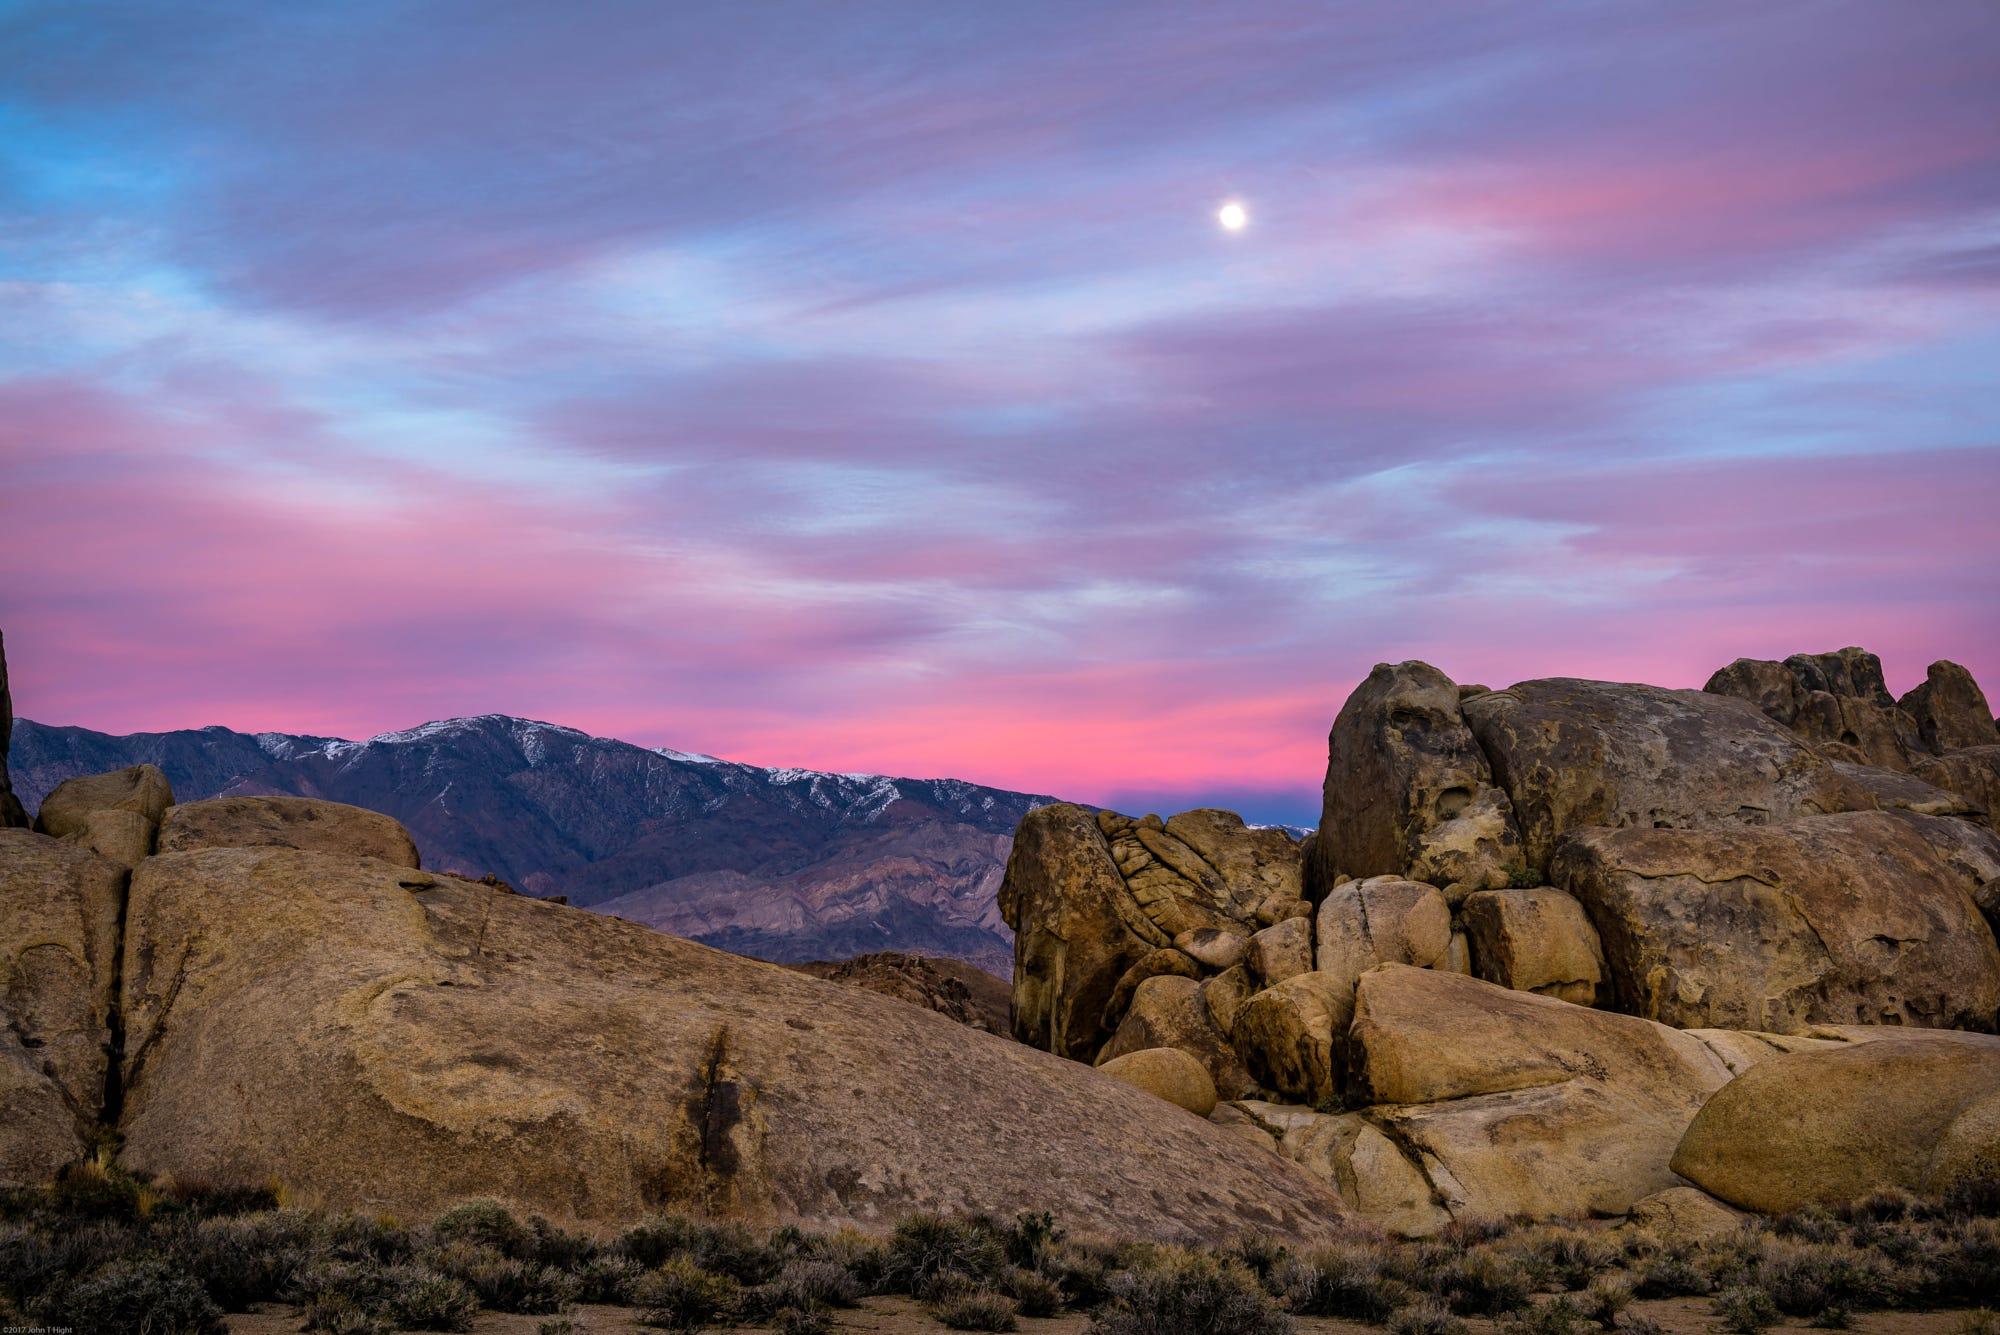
(900, 1316)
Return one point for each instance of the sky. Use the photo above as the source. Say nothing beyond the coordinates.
(871, 387)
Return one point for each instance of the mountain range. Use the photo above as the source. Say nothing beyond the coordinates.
(784, 864)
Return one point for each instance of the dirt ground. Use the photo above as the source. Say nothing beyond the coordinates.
(900, 1316)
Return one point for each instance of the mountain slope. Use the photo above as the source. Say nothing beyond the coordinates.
(783, 863)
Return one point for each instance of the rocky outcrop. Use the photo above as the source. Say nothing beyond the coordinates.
(1950, 710)
(302, 823)
(115, 815)
(1354, 1154)
(1823, 1127)
(1535, 940)
(1289, 1036)
(1973, 774)
(383, 1039)
(1408, 792)
(1574, 754)
(952, 988)
(1382, 920)
(1684, 1216)
(1094, 897)
(1895, 790)
(1849, 918)
(59, 906)
(1515, 1103)
(12, 815)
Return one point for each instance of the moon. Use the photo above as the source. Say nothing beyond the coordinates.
(1233, 216)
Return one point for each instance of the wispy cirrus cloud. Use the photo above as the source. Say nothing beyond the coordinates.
(869, 387)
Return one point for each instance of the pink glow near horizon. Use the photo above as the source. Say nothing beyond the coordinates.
(867, 395)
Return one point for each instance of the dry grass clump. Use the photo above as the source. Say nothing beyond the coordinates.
(1177, 1291)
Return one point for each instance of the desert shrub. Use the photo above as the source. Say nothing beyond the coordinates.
(1346, 1280)
(96, 1190)
(545, 1244)
(925, 1246)
(36, 1260)
(1481, 1282)
(1561, 1315)
(363, 1285)
(1259, 1253)
(724, 1249)
(1562, 1258)
(1810, 1224)
(1188, 1293)
(337, 1316)
(350, 1237)
(1979, 1321)
(1081, 1271)
(976, 1309)
(607, 1279)
(1636, 1323)
(244, 1260)
(423, 1299)
(681, 1296)
(1807, 1279)
(803, 1321)
(146, 1296)
(805, 1284)
(1030, 1236)
(562, 1324)
(863, 1257)
(1472, 1231)
(1978, 1198)
(1605, 1301)
(1883, 1204)
(211, 1198)
(1034, 1293)
(503, 1283)
(1425, 1317)
(1745, 1310)
(483, 1224)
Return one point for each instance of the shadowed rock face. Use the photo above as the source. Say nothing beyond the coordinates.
(389, 1039)
(952, 988)
(12, 815)
(58, 959)
(1574, 753)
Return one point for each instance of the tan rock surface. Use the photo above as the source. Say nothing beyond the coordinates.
(1822, 1127)
(59, 906)
(1950, 710)
(1382, 920)
(123, 837)
(1850, 918)
(1511, 1102)
(306, 1018)
(1535, 940)
(304, 823)
(1170, 1012)
(1408, 791)
(1686, 1215)
(1974, 774)
(1166, 1073)
(1280, 951)
(1573, 754)
(1366, 1167)
(137, 788)
(1894, 790)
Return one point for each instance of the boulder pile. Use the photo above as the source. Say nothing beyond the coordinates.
(1543, 932)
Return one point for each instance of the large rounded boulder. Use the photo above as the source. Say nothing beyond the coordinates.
(305, 823)
(1826, 1126)
(379, 1038)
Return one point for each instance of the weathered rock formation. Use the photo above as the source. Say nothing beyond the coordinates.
(12, 816)
(1408, 791)
(1090, 895)
(1950, 710)
(1577, 754)
(1544, 925)
(1842, 919)
(952, 988)
(59, 905)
